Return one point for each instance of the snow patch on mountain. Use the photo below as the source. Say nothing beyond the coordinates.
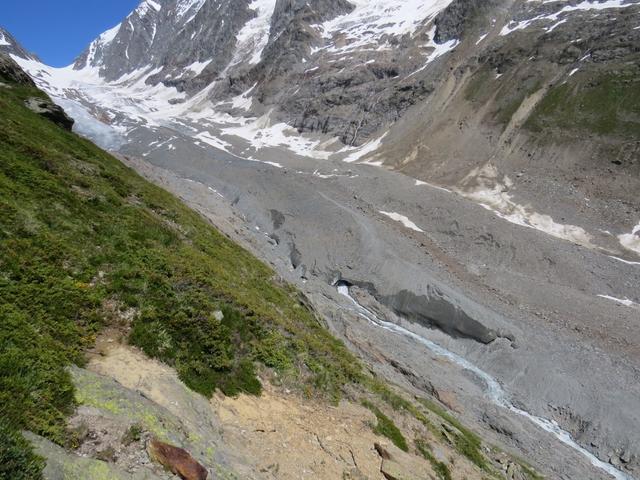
(105, 136)
(146, 6)
(403, 220)
(253, 38)
(482, 186)
(189, 6)
(362, 151)
(3, 40)
(129, 96)
(373, 20)
(103, 40)
(622, 301)
(214, 141)
(436, 49)
(554, 17)
(244, 100)
(198, 67)
(263, 133)
(631, 241)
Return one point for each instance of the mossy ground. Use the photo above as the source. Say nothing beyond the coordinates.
(79, 230)
(466, 442)
(600, 103)
(441, 468)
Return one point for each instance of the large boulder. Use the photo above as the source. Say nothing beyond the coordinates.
(51, 111)
(177, 460)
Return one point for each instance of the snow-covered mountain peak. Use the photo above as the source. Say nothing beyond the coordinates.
(10, 46)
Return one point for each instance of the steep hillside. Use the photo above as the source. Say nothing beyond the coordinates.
(550, 101)
(452, 184)
(88, 245)
(95, 258)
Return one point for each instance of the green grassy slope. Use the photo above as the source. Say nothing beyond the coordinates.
(85, 243)
(602, 104)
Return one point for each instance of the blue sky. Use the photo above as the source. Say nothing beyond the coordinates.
(58, 30)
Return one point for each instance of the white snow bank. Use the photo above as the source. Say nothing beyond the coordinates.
(624, 261)
(363, 150)
(626, 302)
(403, 220)
(438, 49)
(188, 6)
(254, 36)
(554, 17)
(631, 241)
(482, 186)
(420, 183)
(3, 40)
(213, 141)
(198, 67)
(147, 6)
(372, 20)
(261, 133)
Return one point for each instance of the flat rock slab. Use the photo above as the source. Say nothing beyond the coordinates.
(399, 465)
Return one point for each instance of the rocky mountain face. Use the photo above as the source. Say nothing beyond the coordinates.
(189, 37)
(10, 46)
(353, 69)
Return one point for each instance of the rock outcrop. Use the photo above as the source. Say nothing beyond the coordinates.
(11, 71)
(51, 111)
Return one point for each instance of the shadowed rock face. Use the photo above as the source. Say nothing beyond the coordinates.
(176, 460)
(11, 71)
(460, 14)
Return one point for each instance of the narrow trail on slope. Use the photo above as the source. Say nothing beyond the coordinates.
(494, 390)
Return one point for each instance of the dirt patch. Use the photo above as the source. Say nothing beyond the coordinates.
(284, 435)
(297, 440)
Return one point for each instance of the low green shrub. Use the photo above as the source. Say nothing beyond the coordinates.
(80, 233)
(440, 468)
(387, 428)
(17, 458)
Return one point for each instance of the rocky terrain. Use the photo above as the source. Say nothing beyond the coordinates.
(453, 184)
(139, 342)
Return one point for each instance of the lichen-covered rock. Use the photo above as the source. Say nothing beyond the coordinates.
(109, 410)
(64, 465)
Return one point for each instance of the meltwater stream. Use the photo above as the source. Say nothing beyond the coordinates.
(494, 390)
